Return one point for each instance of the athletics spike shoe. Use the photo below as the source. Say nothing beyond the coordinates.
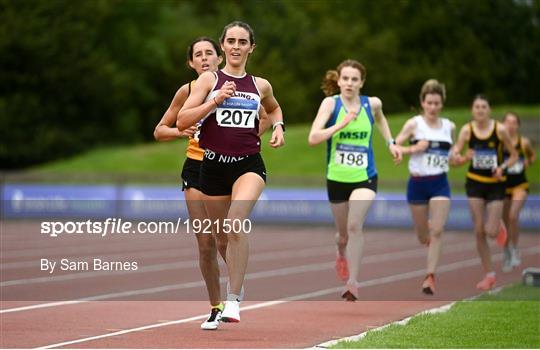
(487, 283)
(231, 312)
(350, 293)
(428, 286)
(342, 268)
(212, 322)
(503, 235)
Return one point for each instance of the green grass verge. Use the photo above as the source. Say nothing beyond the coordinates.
(508, 319)
(297, 163)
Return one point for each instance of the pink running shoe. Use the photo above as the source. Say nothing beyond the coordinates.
(428, 286)
(502, 236)
(342, 268)
(487, 283)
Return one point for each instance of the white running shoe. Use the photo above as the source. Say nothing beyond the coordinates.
(241, 296)
(231, 312)
(212, 323)
(507, 260)
(515, 259)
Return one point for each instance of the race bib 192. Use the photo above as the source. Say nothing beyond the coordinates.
(237, 113)
(352, 156)
(435, 160)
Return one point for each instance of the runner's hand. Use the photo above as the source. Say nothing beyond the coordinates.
(227, 90)
(348, 118)
(277, 139)
(189, 132)
(469, 155)
(395, 150)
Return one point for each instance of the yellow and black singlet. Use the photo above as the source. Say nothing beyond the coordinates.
(194, 151)
(488, 154)
(516, 173)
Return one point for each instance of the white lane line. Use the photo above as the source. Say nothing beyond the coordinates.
(167, 253)
(402, 322)
(270, 273)
(287, 254)
(139, 245)
(269, 256)
(250, 276)
(170, 253)
(155, 325)
(418, 273)
(374, 282)
(42, 306)
(87, 249)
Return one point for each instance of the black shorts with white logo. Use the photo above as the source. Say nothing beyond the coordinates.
(341, 191)
(191, 173)
(219, 172)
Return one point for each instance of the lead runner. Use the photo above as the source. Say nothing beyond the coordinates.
(233, 174)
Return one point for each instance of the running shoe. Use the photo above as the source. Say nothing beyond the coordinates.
(231, 312)
(342, 268)
(212, 322)
(241, 296)
(487, 283)
(428, 286)
(350, 293)
(515, 257)
(507, 260)
(503, 235)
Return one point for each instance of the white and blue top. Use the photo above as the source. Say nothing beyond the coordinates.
(434, 160)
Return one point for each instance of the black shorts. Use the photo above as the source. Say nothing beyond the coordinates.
(514, 182)
(191, 173)
(219, 172)
(488, 191)
(341, 191)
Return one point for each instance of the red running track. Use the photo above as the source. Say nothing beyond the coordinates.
(162, 303)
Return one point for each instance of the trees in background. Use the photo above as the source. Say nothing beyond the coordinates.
(77, 74)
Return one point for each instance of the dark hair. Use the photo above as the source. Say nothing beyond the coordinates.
(329, 84)
(198, 40)
(241, 25)
(514, 114)
(432, 86)
(481, 97)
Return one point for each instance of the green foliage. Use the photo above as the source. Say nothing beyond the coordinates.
(295, 164)
(76, 75)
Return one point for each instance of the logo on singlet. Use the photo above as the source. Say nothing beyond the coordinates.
(353, 135)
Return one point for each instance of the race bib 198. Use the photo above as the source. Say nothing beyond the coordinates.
(237, 113)
(352, 156)
(484, 159)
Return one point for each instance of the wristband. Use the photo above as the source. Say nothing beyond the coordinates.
(390, 142)
(214, 99)
(278, 123)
